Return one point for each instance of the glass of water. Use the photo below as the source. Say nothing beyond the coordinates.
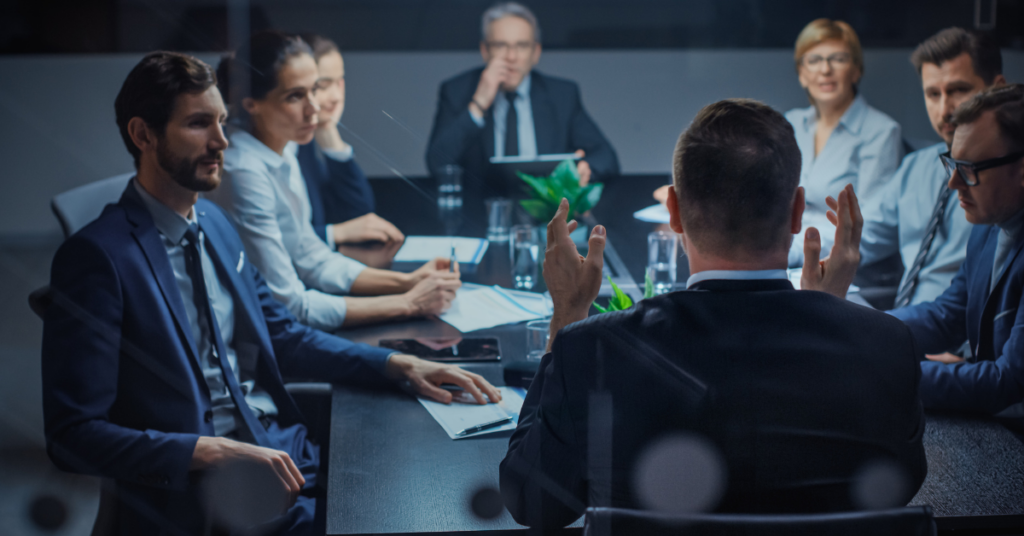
(499, 218)
(524, 247)
(661, 260)
(449, 186)
(537, 339)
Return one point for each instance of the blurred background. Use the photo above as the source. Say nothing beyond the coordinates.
(645, 67)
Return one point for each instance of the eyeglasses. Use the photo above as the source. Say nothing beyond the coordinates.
(835, 61)
(500, 47)
(969, 170)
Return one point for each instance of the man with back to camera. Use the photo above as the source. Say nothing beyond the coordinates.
(475, 122)
(771, 378)
(985, 168)
(164, 351)
(954, 65)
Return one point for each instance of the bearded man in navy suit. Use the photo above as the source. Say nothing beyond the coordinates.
(164, 351)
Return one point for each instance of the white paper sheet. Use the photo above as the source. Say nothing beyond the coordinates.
(478, 307)
(458, 416)
(653, 214)
(425, 248)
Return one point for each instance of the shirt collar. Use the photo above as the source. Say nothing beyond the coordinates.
(524, 87)
(1013, 226)
(168, 222)
(247, 144)
(744, 275)
(852, 119)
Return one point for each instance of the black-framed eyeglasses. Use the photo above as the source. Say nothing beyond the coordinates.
(969, 170)
(500, 48)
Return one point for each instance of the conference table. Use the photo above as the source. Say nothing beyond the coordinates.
(393, 469)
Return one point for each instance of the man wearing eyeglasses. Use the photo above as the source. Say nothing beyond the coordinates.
(918, 217)
(982, 305)
(507, 109)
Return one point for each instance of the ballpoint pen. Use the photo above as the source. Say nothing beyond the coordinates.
(484, 426)
(451, 260)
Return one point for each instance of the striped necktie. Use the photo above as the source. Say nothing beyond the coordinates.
(909, 285)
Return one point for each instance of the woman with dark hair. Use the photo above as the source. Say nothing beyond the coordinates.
(339, 193)
(265, 193)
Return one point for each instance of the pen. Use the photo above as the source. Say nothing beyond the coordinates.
(484, 426)
(451, 261)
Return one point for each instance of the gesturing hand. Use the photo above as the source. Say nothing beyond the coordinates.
(573, 280)
(835, 273)
(426, 377)
(433, 294)
(366, 228)
(491, 79)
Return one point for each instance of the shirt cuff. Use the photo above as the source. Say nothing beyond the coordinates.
(329, 235)
(478, 119)
(341, 155)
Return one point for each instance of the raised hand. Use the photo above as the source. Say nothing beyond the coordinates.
(572, 279)
(491, 79)
(835, 273)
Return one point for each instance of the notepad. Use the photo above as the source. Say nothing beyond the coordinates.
(653, 214)
(479, 307)
(425, 248)
(457, 416)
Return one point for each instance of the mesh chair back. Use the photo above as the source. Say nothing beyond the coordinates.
(77, 207)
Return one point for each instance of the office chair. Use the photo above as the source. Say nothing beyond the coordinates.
(910, 521)
(77, 207)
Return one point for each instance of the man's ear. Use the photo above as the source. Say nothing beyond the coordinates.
(142, 136)
(796, 215)
(999, 80)
(675, 222)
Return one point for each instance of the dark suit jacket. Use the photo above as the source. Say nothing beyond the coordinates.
(338, 191)
(559, 120)
(123, 394)
(993, 323)
(796, 390)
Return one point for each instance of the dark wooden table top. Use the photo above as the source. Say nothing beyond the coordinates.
(393, 469)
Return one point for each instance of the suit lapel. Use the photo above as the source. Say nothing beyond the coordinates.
(489, 133)
(978, 315)
(544, 126)
(153, 249)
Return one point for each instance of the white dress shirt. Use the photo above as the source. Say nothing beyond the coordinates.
(744, 275)
(266, 196)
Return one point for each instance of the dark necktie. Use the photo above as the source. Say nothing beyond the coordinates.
(511, 126)
(204, 311)
(906, 290)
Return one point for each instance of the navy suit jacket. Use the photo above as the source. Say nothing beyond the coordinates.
(797, 391)
(123, 394)
(993, 323)
(560, 123)
(338, 191)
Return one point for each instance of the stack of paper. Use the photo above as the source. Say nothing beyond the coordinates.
(653, 214)
(425, 248)
(479, 307)
(456, 417)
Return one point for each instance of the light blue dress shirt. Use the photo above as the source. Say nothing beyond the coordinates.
(524, 113)
(226, 418)
(265, 194)
(743, 275)
(898, 221)
(864, 150)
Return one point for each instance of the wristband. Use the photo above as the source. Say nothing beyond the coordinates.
(482, 108)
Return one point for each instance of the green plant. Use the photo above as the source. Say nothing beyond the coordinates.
(547, 192)
(620, 301)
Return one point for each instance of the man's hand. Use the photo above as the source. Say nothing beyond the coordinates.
(491, 79)
(582, 168)
(366, 228)
(835, 274)
(214, 452)
(433, 294)
(426, 378)
(439, 264)
(946, 358)
(573, 280)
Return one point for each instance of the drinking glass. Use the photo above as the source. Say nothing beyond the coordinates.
(537, 339)
(661, 260)
(499, 218)
(524, 248)
(449, 186)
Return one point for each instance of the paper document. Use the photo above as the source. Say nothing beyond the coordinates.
(538, 158)
(653, 214)
(479, 307)
(457, 416)
(425, 248)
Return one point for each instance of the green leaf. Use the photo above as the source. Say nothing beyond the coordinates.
(601, 309)
(539, 210)
(648, 286)
(563, 182)
(540, 188)
(622, 300)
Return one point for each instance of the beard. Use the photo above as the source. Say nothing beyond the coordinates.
(184, 171)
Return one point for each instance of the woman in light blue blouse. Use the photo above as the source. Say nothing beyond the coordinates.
(842, 139)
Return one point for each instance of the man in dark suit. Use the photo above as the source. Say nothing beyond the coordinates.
(507, 109)
(164, 351)
(739, 394)
(982, 305)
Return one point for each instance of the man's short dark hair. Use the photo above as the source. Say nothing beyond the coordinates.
(152, 88)
(952, 42)
(736, 169)
(1008, 104)
(320, 45)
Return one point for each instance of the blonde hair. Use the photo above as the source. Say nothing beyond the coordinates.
(821, 30)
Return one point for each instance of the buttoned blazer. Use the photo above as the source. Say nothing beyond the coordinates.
(794, 393)
(993, 379)
(560, 122)
(338, 191)
(123, 395)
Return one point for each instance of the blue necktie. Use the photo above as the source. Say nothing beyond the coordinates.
(194, 264)
(511, 125)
